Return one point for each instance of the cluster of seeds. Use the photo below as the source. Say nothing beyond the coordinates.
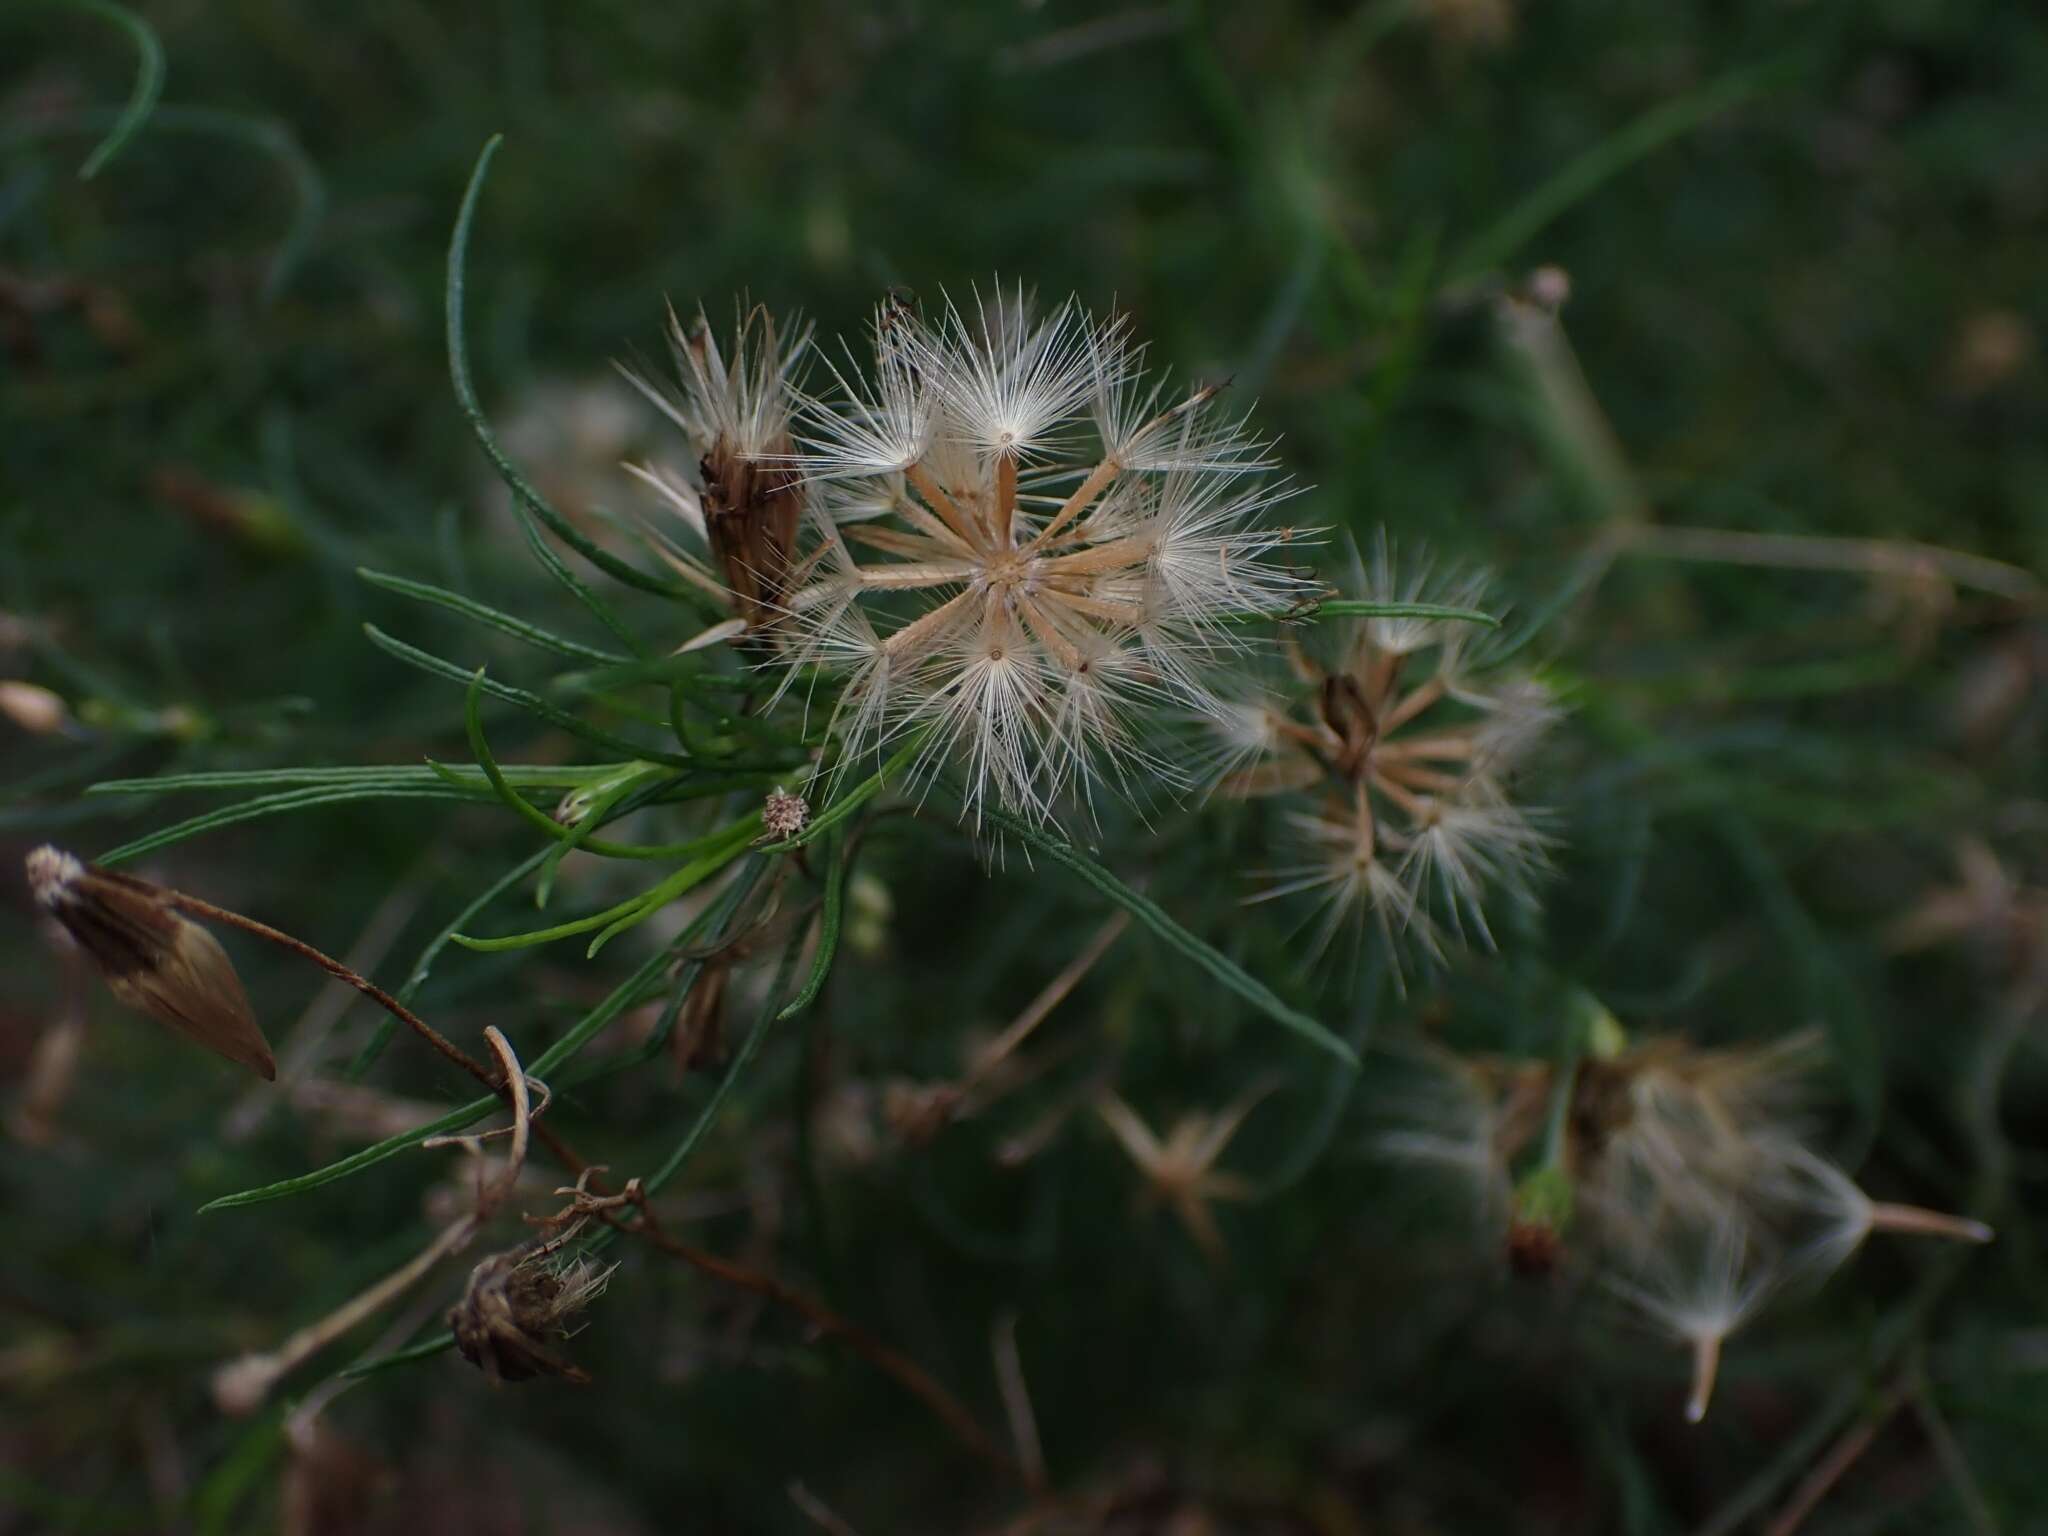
(1680, 1175)
(1001, 538)
(1405, 751)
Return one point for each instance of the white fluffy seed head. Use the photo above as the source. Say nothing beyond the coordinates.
(1013, 558)
(1407, 743)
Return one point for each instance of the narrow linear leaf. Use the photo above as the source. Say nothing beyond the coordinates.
(1363, 608)
(628, 794)
(730, 844)
(466, 396)
(554, 565)
(375, 1365)
(479, 745)
(532, 703)
(1155, 917)
(375, 776)
(281, 804)
(828, 927)
(142, 96)
(483, 613)
(717, 919)
(691, 875)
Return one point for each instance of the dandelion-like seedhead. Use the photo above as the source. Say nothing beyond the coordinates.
(1010, 543)
(1404, 748)
(1696, 1193)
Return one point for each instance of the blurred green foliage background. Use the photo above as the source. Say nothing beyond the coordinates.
(1804, 244)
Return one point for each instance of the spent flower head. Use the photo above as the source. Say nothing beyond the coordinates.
(1407, 747)
(1020, 549)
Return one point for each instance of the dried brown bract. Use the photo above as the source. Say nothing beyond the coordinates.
(152, 957)
(515, 1302)
(749, 496)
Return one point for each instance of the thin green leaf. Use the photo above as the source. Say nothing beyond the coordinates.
(727, 845)
(717, 917)
(372, 776)
(1155, 917)
(685, 879)
(375, 1365)
(466, 396)
(479, 745)
(278, 805)
(483, 613)
(532, 703)
(1364, 608)
(553, 564)
(142, 96)
(628, 794)
(828, 927)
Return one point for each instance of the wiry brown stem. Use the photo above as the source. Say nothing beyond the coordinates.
(242, 1385)
(195, 907)
(906, 1372)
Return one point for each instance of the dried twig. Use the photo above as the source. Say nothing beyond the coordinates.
(242, 1385)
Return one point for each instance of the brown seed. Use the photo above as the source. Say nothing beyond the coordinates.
(153, 958)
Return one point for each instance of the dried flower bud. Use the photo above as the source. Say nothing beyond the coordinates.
(513, 1302)
(735, 410)
(36, 710)
(783, 815)
(152, 958)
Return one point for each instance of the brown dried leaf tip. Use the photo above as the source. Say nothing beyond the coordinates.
(152, 957)
(516, 1300)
